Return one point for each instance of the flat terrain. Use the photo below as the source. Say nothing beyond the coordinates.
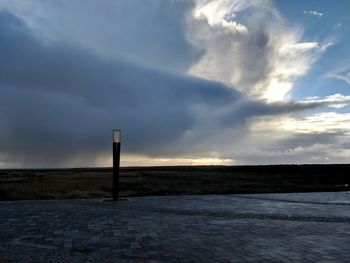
(146, 181)
(299, 227)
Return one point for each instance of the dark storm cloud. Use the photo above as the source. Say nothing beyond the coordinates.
(244, 109)
(60, 102)
(304, 140)
(153, 31)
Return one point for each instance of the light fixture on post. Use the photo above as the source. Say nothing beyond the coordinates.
(116, 163)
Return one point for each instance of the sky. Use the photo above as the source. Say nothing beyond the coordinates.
(189, 82)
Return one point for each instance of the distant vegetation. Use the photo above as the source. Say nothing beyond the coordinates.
(142, 181)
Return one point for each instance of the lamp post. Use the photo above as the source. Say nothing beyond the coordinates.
(116, 163)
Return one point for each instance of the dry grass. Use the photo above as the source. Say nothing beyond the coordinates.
(97, 182)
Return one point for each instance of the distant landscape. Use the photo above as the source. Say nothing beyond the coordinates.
(17, 184)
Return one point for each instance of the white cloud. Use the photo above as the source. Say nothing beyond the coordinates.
(217, 14)
(324, 122)
(335, 101)
(313, 13)
(260, 55)
(345, 76)
(340, 73)
(318, 138)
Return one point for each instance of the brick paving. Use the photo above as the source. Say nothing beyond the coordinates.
(304, 227)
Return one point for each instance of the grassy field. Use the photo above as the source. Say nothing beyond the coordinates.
(141, 181)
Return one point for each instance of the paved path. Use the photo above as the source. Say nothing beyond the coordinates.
(313, 227)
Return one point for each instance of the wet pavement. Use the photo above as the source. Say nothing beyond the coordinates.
(300, 227)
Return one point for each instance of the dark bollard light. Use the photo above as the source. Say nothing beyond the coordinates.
(116, 163)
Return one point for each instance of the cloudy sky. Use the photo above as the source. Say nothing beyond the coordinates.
(187, 81)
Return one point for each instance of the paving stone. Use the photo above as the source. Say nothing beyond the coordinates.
(311, 227)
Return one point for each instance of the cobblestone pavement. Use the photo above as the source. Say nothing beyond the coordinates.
(312, 227)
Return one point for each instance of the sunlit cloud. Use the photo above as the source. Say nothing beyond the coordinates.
(131, 160)
(317, 138)
(335, 101)
(219, 14)
(262, 60)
